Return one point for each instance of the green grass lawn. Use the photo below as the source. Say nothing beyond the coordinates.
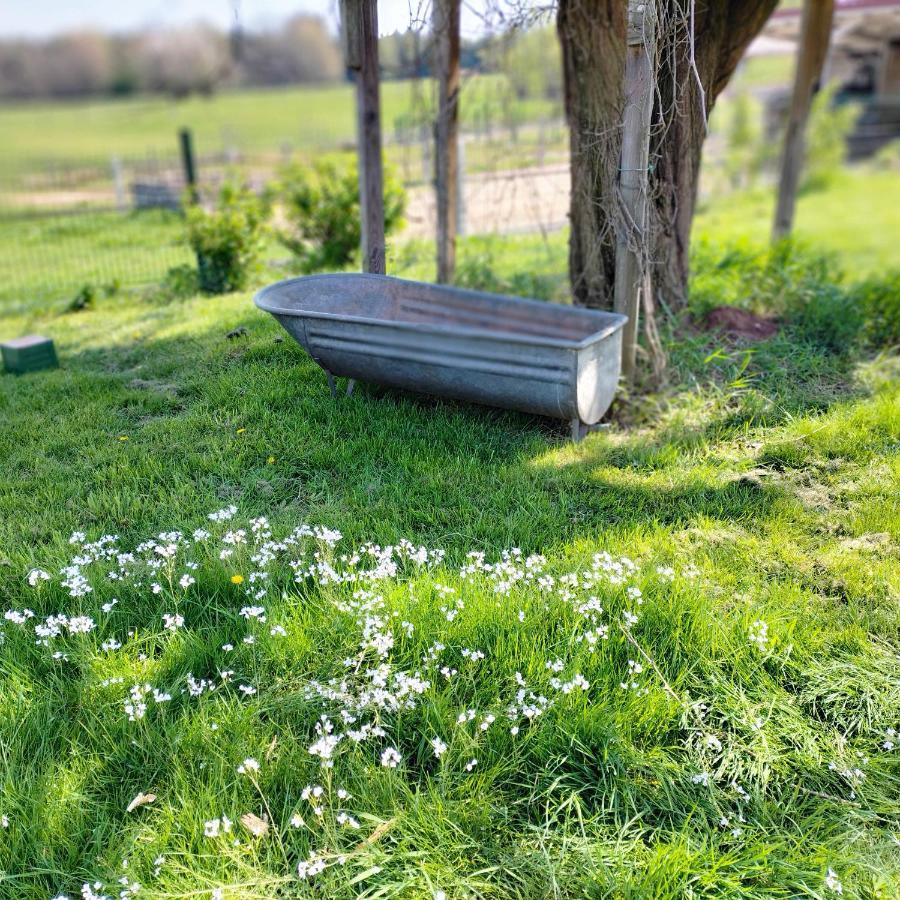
(857, 219)
(252, 121)
(689, 694)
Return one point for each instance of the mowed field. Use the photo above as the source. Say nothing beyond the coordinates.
(301, 118)
(306, 118)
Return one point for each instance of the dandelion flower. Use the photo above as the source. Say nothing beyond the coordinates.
(237, 579)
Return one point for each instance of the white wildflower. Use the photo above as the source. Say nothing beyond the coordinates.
(833, 883)
(758, 635)
(172, 621)
(391, 758)
(36, 575)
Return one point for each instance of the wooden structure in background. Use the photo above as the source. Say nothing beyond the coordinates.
(445, 24)
(815, 33)
(632, 227)
(359, 26)
(188, 164)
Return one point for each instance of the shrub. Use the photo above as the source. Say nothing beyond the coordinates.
(321, 207)
(764, 280)
(85, 298)
(825, 315)
(179, 283)
(744, 153)
(228, 239)
(478, 272)
(878, 302)
(803, 288)
(887, 159)
(826, 139)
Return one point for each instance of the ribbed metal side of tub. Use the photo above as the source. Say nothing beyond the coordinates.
(435, 339)
(489, 370)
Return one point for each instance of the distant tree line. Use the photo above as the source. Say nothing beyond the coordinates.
(200, 59)
(192, 59)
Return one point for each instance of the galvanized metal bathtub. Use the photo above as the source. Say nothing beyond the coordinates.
(502, 351)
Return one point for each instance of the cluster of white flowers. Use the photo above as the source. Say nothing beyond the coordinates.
(172, 621)
(214, 827)
(853, 774)
(136, 703)
(36, 575)
(758, 635)
(635, 669)
(381, 677)
(223, 515)
(391, 758)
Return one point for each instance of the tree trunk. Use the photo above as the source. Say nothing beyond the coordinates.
(445, 19)
(592, 35)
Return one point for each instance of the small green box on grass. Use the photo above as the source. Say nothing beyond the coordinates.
(28, 354)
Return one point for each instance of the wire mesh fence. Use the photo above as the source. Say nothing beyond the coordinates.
(117, 222)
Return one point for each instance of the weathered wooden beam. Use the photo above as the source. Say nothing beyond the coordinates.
(815, 33)
(360, 36)
(632, 227)
(445, 22)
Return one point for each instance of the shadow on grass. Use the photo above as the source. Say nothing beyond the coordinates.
(210, 421)
(154, 433)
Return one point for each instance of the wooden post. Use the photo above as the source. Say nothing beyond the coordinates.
(186, 142)
(445, 24)
(632, 240)
(360, 32)
(118, 177)
(815, 33)
(461, 188)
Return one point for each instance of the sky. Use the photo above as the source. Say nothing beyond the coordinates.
(40, 18)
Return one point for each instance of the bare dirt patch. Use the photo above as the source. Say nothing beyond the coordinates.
(740, 323)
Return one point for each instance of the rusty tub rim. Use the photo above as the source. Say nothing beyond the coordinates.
(612, 321)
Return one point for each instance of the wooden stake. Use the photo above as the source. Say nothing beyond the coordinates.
(632, 250)
(360, 33)
(445, 22)
(186, 143)
(815, 33)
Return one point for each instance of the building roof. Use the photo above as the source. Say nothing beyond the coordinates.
(860, 27)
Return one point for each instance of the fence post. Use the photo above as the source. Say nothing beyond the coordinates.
(359, 21)
(632, 277)
(186, 140)
(118, 183)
